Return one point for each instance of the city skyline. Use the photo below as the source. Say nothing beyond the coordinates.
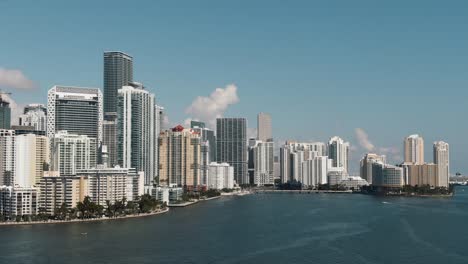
(359, 94)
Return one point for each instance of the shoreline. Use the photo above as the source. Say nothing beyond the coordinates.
(82, 220)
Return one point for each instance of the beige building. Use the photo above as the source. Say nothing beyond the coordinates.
(56, 190)
(179, 158)
(264, 127)
(442, 159)
(425, 174)
(32, 156)
(414, 149)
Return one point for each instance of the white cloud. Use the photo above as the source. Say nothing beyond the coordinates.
(363, 139)
(14, 79)
(207, 109)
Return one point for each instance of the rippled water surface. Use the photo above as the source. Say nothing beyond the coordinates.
(261, 228)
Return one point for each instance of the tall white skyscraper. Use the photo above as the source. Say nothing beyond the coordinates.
(138, 130)
(442, 159)
(414, 150)
(338, 151)
(32, 153)
(264, 127)
(262, 157)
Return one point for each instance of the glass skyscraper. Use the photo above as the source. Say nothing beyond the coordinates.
(5, 114)
(118, 72)
(231, 147)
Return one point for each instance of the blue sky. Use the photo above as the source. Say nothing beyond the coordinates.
(321, 68)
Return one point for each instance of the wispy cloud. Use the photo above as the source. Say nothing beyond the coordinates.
(363, 139)
(208, 108)
(11, 78)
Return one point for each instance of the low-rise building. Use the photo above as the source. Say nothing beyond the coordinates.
(168, 195)
(220, 176)
(18, 201)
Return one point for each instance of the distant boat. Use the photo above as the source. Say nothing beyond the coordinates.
(385, 202)
(84, 234)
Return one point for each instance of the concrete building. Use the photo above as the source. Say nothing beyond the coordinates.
(315, 171)
(264, 127)
(336, 175)
(442, 159)
(206, 135)
(23, 130)
(5, 113)
(261, 155)
(34, 115)
(32, 157)
(422, 174)
(18, 201)
(118, 72)
(57, 190)
(71, 152)
(414, 149)
(231, 146)
(338, 151)
(354, 182)
(220, 176)
(109, 137)
(388, 176)
(138, 131)
(366, 165)
(180, 158)
(76, 110)
(113, 184)
(168, 194)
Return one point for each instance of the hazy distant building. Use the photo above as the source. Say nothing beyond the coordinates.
(35, 115)
(137, 131)
(338, 151)
(442, 159)
(366, 165)
(5, 114)
(292, 157)
(180, 158)
(264, 127)
(118, 72)
(414, 149)
(71, 152)
(75, 110)
(231, 146)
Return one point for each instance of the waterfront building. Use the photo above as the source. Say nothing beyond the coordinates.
(137, 132)
(220, 176)
(338, 151)
(442, 159)
(366, 165)
(384, 175)
(180, 158)
(231, 146)
(335, 175)
(414, 149)
(315, 171)
(34, 115)
(72, 152)
(261, 157)
(57, 190)
(422, 174)
(5, 113)
(354, 182)
(118, 72)
(168, 194)
(76, 110)
(264, 127)
(18, 201)
(113, 184)
(293, 154)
